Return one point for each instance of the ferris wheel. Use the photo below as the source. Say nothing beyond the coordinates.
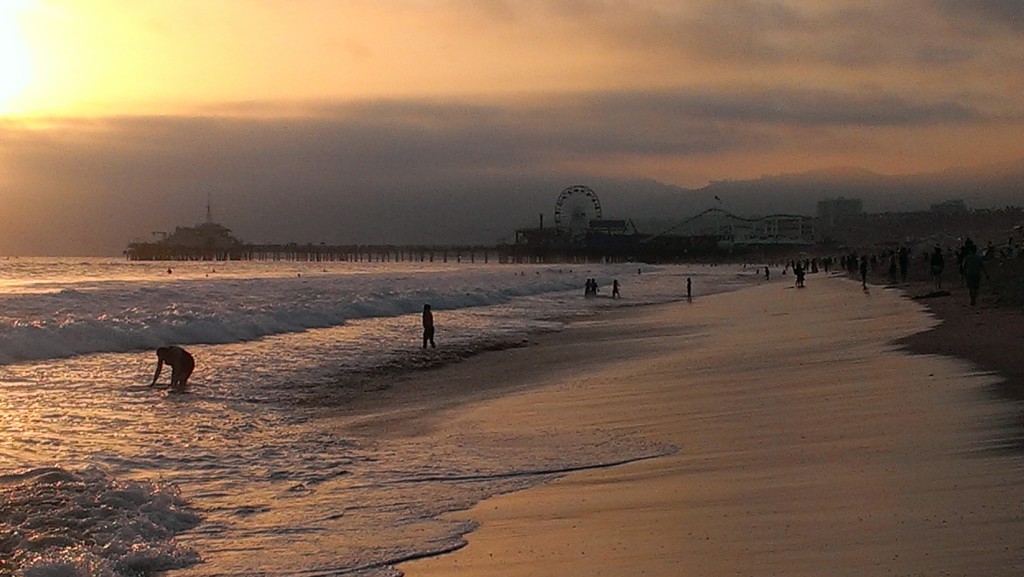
(576, 206)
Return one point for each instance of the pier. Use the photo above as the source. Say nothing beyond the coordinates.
(639, 248)
(294, 252)
(581, 235)
(598, 252)
(320, 253)
(376, 253)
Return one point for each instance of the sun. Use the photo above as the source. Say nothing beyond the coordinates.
(15, 59)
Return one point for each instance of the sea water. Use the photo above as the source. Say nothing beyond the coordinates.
(101, 474)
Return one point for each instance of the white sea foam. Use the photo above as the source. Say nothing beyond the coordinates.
(119, 316)
(61, 314)
(61, 523)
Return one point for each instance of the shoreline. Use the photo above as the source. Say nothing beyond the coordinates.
(415, 402)
(410, 402)
(977, 334)
(984, 335)
(694, 387)
(987, 335)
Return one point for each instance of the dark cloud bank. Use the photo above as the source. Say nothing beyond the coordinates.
(425, 172)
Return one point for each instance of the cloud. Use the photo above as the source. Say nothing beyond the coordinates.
(390, 141)
(827, 43)
(398, 170)
(791, 106)
(1003, 13)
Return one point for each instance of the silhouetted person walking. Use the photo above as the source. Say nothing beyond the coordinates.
(615, 288)
(428, 327)
(689, 287)
(974, 267)
(864, 272)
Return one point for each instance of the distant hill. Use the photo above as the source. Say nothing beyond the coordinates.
(980, 187)
(651, 204)
(487, 210)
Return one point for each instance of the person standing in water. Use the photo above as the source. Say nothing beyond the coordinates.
(428, 327)
(181, 362)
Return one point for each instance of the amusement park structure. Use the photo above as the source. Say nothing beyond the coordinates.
(581, 231)
(731, 230)
(578, 223)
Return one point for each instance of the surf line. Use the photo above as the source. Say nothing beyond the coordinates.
(392, 562)
(533, 473)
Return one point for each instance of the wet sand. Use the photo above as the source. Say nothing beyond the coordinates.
(990, 334)
(809, 443)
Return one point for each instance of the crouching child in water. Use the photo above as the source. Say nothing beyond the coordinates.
(181, 362)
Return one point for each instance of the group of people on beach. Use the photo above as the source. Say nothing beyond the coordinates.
(590, 288)
(895, 264)
(970, 263)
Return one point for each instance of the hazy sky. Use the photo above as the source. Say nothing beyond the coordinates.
(407, 120)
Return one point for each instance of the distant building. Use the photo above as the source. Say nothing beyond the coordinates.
(205, 241)
(205, 236)
(834, 210)
(956, 206)
(731, 230)
(612, 226)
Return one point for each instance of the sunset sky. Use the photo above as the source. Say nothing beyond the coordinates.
(120, 117)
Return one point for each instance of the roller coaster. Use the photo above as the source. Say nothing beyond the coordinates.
(732, 229)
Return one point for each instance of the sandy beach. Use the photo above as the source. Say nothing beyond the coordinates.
(807, 443)
(988, 334)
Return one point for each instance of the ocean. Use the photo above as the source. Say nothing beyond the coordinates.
(102, 475)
